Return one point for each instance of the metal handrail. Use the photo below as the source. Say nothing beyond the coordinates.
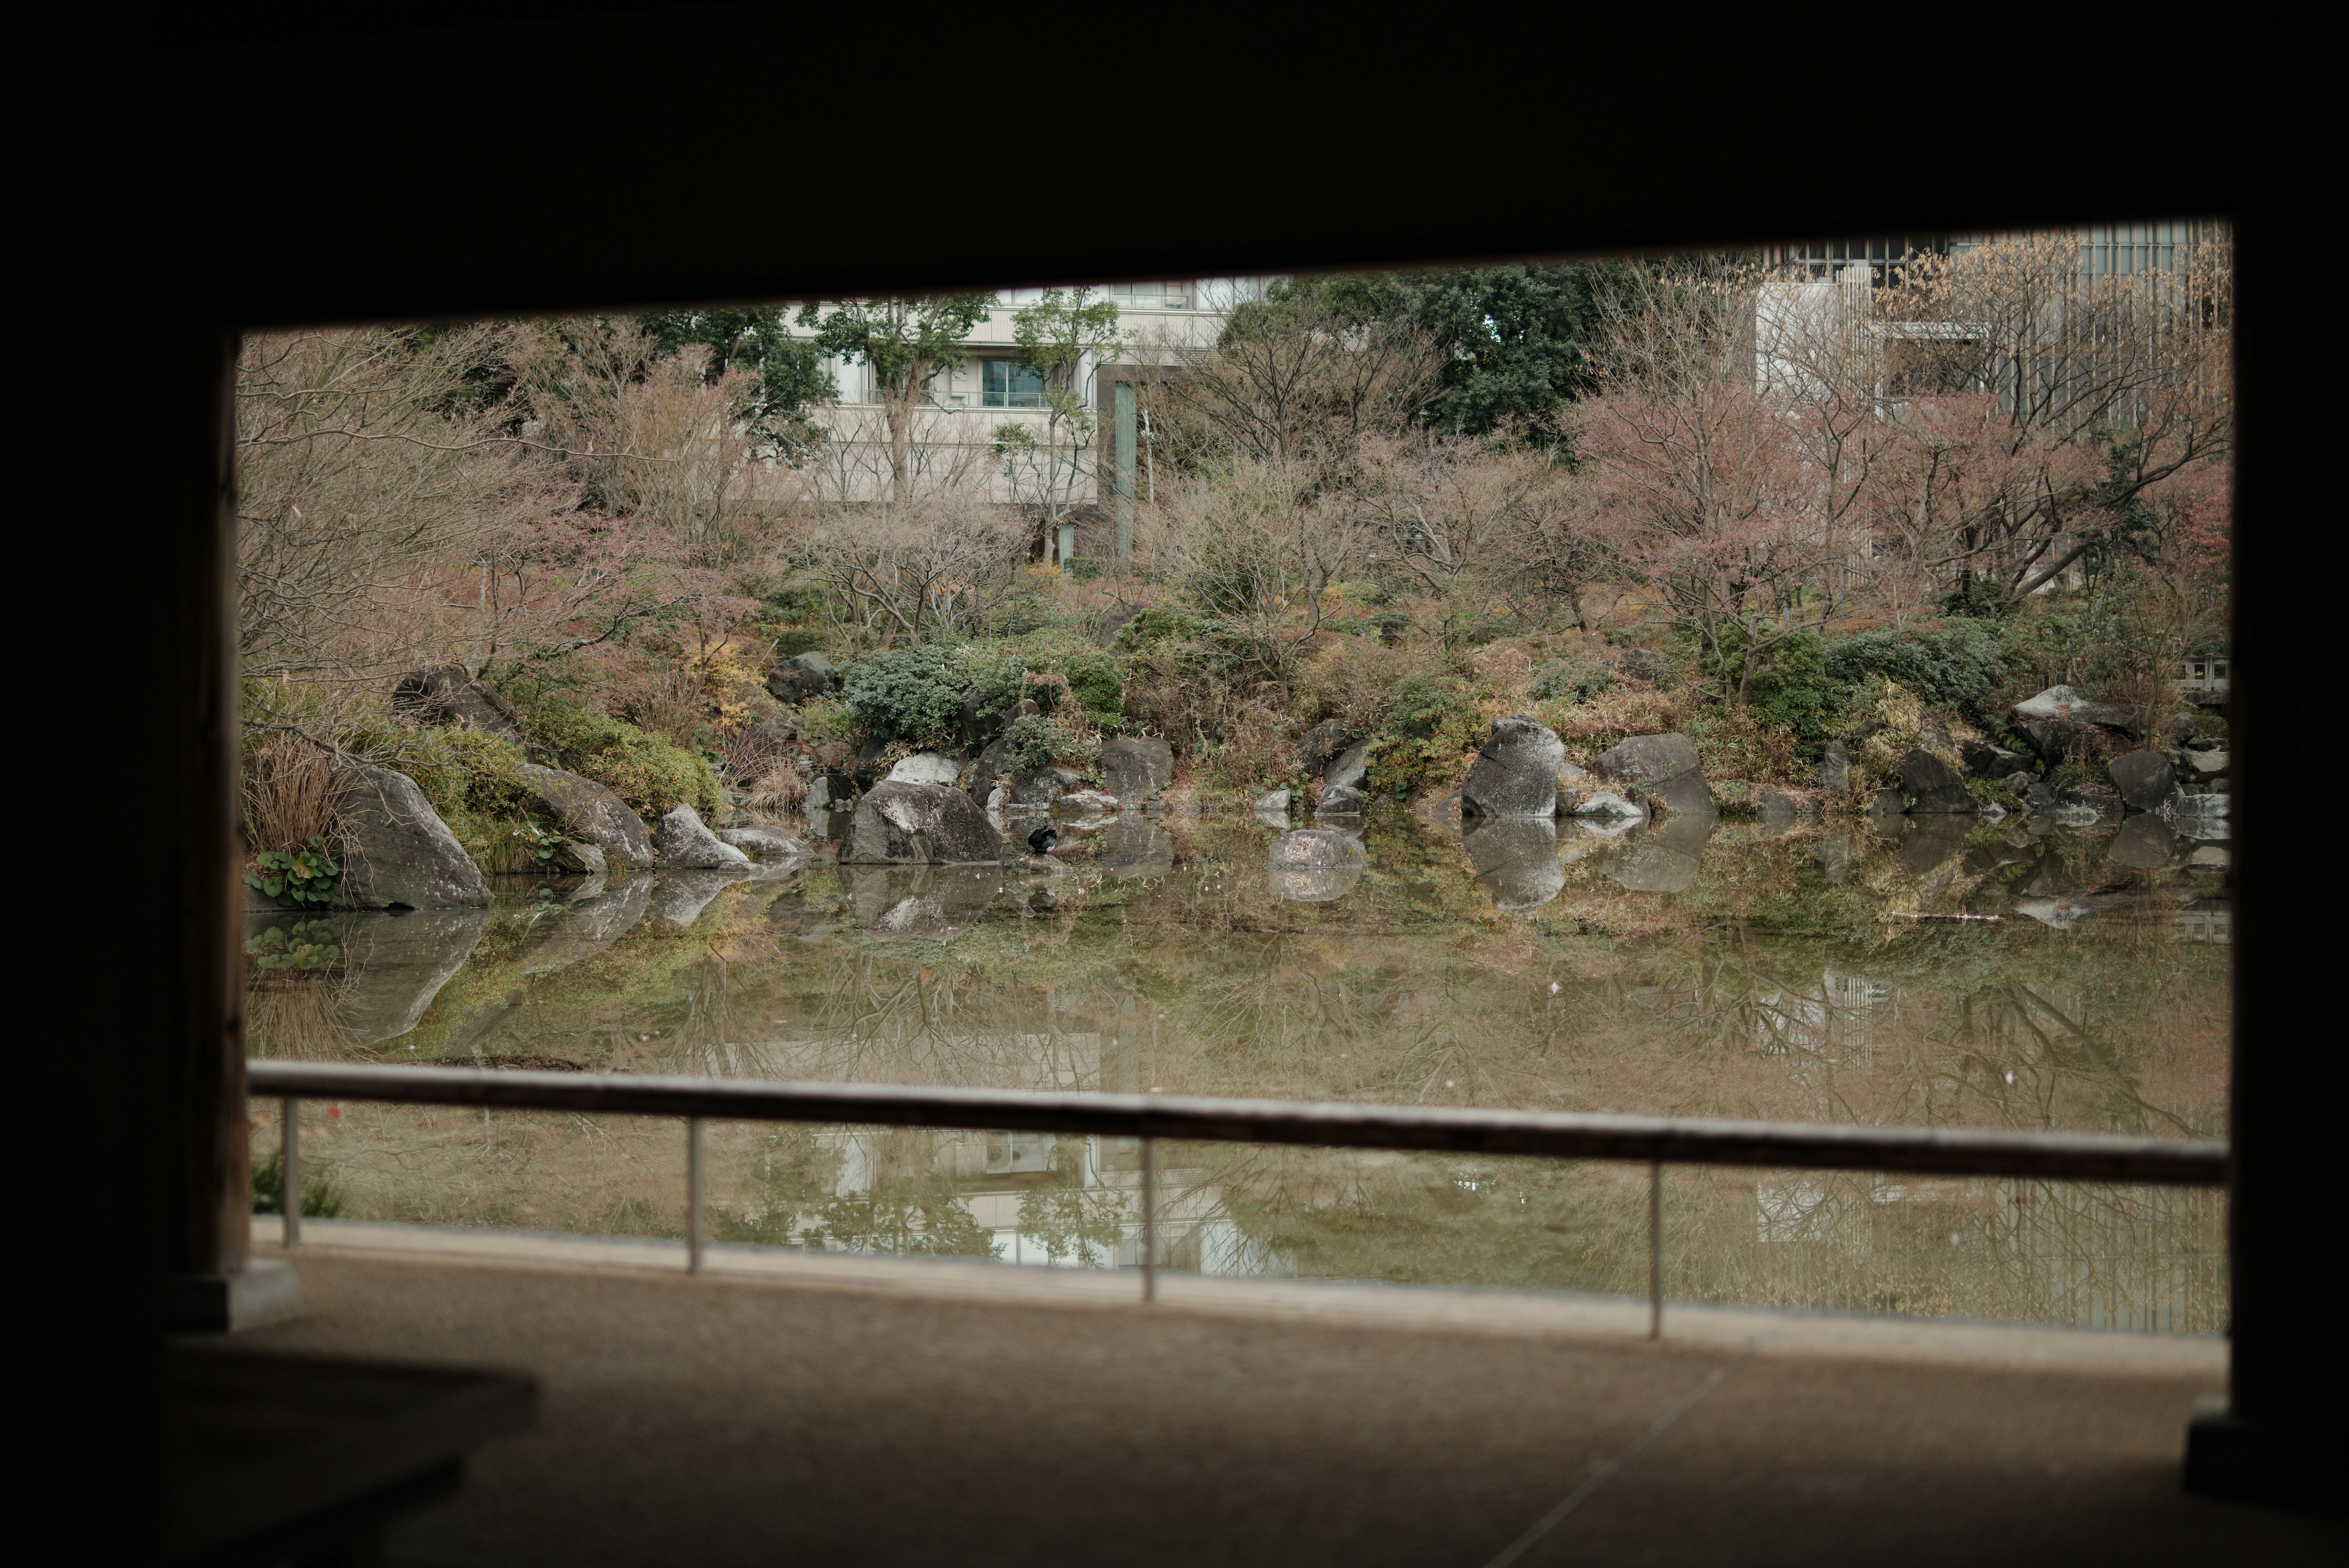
(1558, 1135)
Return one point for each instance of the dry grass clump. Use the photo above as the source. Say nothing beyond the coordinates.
(779, 791)
(293, 791)
(1355, 678)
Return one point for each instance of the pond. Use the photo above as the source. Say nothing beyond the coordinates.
(1946, 972)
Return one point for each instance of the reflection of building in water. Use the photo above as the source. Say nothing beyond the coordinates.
(1035, 1197)
(1064, 1202)
(2206, 920)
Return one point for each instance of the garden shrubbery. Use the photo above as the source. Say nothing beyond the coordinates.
(652, 775)
(1957, 664)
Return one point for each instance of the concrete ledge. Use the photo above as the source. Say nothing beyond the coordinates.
(1540, 1313)
(264, 1290)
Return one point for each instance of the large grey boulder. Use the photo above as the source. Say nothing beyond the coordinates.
(403, 854)
(1985, 760)
(1516, 859)
(1607, 805)
(2145, 779)
(1779, 813)
(801, 677)
(1136, 767)
(1042, 788)
(589, 812)
(919, 824)
(1339, 800)
(577, 857)
(1663, 766)
(766, 843)
(1351, 770)
(446, 696)
(994, 762)
(830, 792)
(1515, 772)
(1321, 743)
(793, 687)
(2079, 805)
(682, 840)
(2207, 764)
(1931, 787)
(2061, 704)
(925, 768)
(2059, 740)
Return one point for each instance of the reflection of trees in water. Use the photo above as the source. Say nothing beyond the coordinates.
(2089, 1254)
(1408, 992)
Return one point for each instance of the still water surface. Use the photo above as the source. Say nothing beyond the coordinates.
(1694, 968)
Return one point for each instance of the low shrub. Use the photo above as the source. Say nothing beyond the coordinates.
(1956, 664)
(1435, 723)
(1571, 680)
(1159, 623)
(652, 775)
(911, 694)
(1792, 692)
(1035, 740)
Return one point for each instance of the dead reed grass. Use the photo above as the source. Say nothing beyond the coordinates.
(293, 791)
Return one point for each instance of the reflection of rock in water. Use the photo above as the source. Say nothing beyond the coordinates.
(1315, 884)
(1834, 857)
(1516, 859)
(1606, 826)
(2060, 913)
(919, 900)
(1135, 847)
(1316, 865)
(1686, 831)
(588, 926)
(1929, 842)
(398, 964)
(1652, 867)
(679, 896)
(2145, 842)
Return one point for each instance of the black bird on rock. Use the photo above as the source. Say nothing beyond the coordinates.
(1042, 839)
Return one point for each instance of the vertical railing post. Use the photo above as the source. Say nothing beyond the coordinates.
(693, 1195)
(289, 1168)
(1149, 1220)
(1655, 1249)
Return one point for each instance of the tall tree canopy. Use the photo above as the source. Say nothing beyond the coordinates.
(790, 376)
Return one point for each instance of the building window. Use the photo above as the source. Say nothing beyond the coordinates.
(1008, 384)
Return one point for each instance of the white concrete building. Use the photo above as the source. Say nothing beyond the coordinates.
(955, 436)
